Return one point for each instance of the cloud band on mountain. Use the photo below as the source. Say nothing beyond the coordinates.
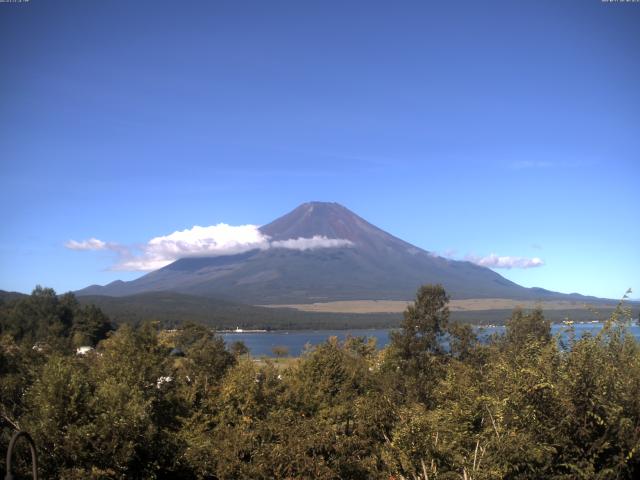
(211, 241)
(315, 242)
(497, 261)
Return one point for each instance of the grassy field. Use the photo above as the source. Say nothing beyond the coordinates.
(467, 305)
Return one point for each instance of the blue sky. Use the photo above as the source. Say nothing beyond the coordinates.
(466, 128)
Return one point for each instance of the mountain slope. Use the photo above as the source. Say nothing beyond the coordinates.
(375, 265)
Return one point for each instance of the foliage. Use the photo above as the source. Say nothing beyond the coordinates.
(57, 322)
(436, 403)
(527, 327)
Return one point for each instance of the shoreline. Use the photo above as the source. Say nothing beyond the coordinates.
(242, 331)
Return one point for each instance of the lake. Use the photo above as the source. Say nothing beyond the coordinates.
(261, 343)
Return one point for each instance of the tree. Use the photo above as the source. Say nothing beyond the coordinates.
(36, 317)
(361, 346)
(90, 325)
(524, 327)
(205, 362)
(424, 322)
(190, 333)
(57, 321)
(239, 348)
(417, 350)
(462, 340)
(434, 404)
(280, 351)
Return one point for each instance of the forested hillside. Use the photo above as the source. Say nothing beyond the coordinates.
(148, 403)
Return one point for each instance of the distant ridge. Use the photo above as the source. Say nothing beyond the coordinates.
(375, 265)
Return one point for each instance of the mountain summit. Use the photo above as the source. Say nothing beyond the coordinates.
(330, 220)
(323, 252)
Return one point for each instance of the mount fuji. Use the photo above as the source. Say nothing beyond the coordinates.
(363, 263)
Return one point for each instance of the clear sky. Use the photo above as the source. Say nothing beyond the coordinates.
(468, 128)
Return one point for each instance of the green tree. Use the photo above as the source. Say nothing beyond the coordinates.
(239, 348)
(90, 325)
(424, 322)
(59, 414)
(417, 349)
(462, 340)
(53, 322)
(525, 327)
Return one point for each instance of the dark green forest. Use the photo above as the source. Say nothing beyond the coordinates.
(434, 404)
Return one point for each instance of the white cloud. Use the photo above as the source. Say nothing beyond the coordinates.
(497, 261)
(211, 241)
(317, 241)
(141, 263)
(90, 244)
(221, 239)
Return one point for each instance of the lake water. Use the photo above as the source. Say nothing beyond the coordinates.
(261, 343)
